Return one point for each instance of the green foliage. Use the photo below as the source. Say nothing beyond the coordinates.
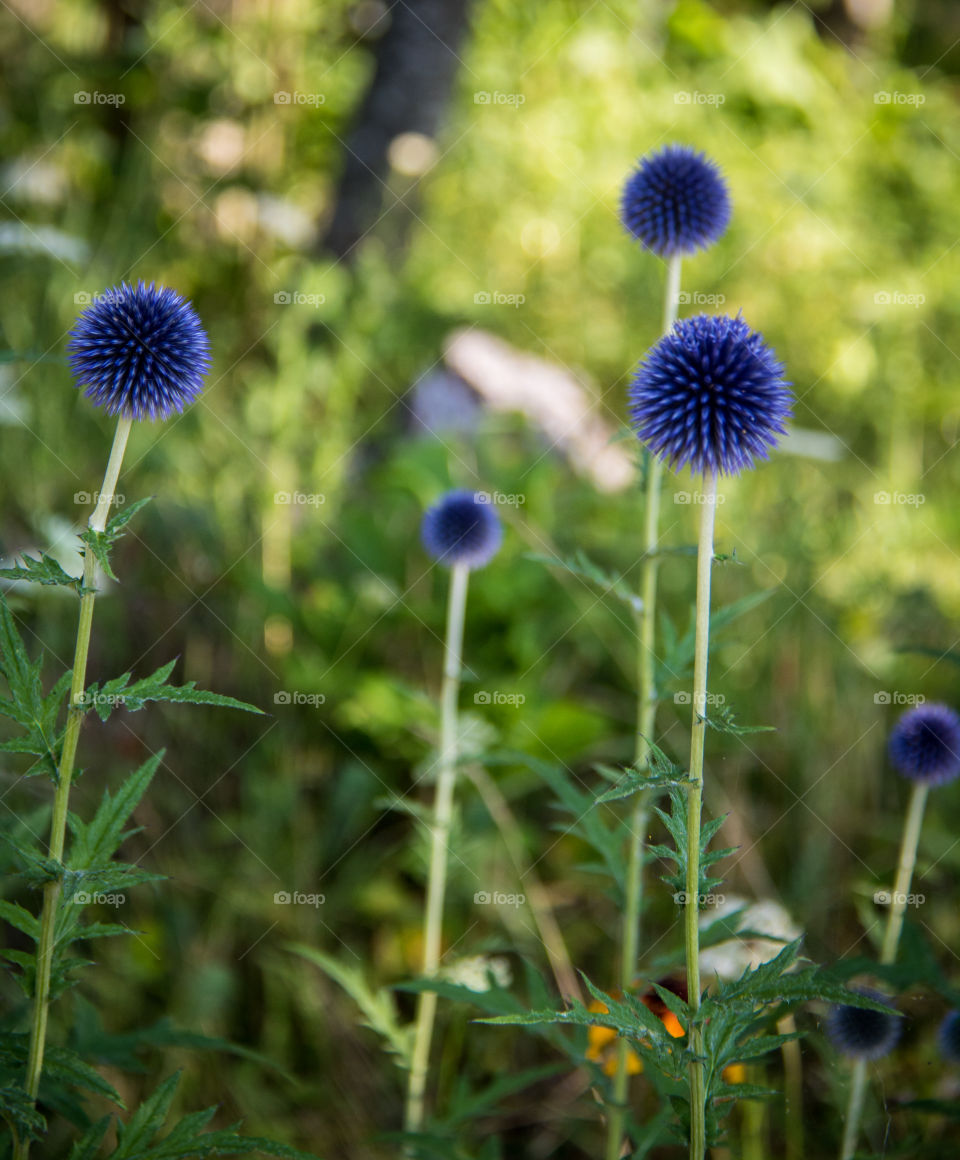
(119, 692)
(101, 543)
(675, 822)
(376, 1005)
(141, 1138)
(661, 773)
(35, 711)
(44, 570)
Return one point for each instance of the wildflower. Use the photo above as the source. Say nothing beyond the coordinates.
(709, 395)
(925, 744)
(462, 529)
(862, 1033)
(140, 351)
(601, 1039)
(676, 202)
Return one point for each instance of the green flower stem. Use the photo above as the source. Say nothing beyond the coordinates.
(888, 951)
(646, 714)
(58, 824)
(708, 508)
(908, 860)
(440, 839)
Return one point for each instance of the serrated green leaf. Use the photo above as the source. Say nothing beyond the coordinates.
(376, 1006)
(42, 569)
(724, 721)
(120, 693)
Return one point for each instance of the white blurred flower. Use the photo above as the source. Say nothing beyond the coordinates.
(731, 958)
(474, 972)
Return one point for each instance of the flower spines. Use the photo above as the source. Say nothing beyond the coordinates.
(140, 351)
(675, 202)
(709, 395)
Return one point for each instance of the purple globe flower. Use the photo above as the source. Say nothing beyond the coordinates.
(675, 202)
(462, 528)
(862, 1033)
(948, 1037)
(709, 395)
(924, 744)
(140, 351)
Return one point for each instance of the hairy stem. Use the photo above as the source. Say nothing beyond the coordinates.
(440, 838)
(58, 824)
(691, 925)
(888, 951)
(646, 715)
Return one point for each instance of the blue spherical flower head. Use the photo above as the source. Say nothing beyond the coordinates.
(709, 395)
(141, 351)
(676, 202)
(861, 1033)
(463, 528)
(925, 744)
(948, 1037)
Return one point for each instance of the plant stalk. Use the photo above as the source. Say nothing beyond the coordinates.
(647, 698)
(440, 838)
(708, 509)
(888, 950)
(58, 824)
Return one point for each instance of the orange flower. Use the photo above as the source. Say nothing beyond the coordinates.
(600, 1040)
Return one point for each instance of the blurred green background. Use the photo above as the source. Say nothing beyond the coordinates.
(837, 128)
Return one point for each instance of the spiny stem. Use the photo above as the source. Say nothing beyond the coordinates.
(646, 716)
(440, 839)
(888, 951)
(58, 824)
(708, 507)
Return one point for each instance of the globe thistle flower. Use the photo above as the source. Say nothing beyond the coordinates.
(462, 528)
(141, 351)
(948, 1037)
(676, 202)
(709, 395)
(924, 744)
(861, 1033)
